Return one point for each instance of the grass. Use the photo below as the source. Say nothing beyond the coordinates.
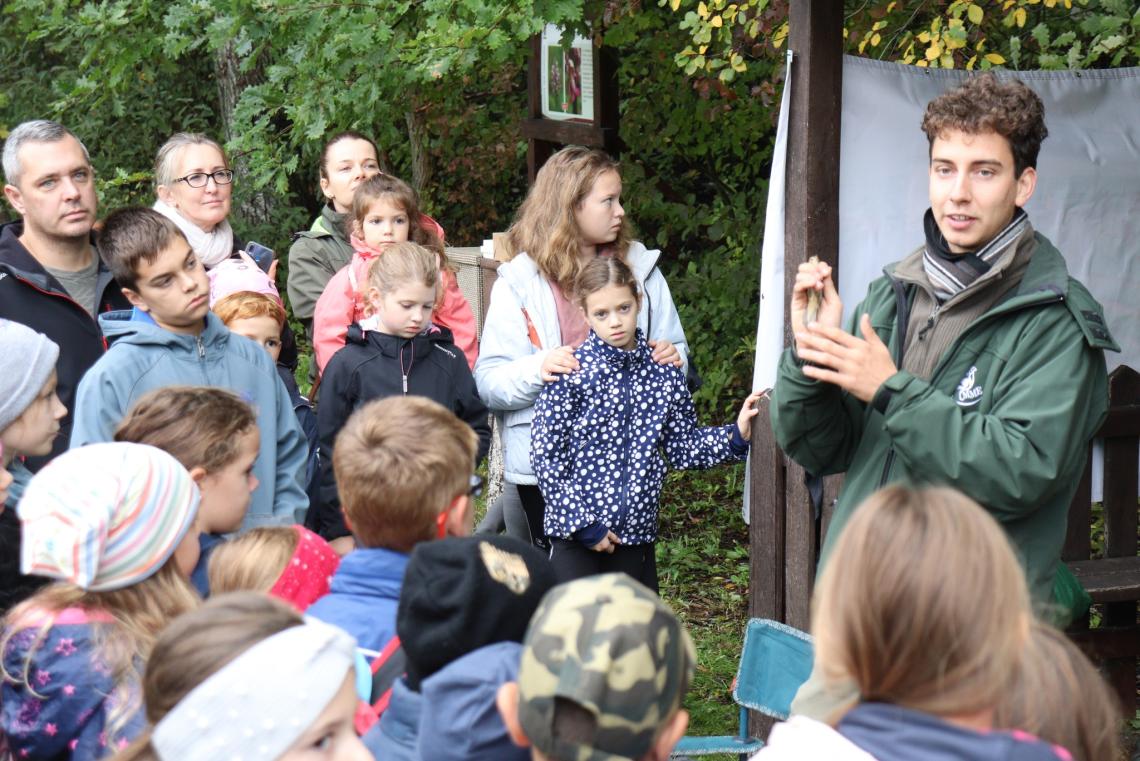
(702, 563)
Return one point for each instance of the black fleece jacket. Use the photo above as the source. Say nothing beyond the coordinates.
(30, 295)
(373, 365)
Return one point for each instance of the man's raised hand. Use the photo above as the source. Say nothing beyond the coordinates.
(814, 276)
(857, 365)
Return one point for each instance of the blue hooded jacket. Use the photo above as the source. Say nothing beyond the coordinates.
(597, 438)
(363, 596)
(460, 720)
(892, 733)
(393, 738)
(144, 357)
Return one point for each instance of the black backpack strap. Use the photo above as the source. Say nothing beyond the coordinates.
(389, 666)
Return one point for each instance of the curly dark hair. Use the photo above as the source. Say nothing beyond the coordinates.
(984, 103)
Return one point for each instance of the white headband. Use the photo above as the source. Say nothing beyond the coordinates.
(257, 705)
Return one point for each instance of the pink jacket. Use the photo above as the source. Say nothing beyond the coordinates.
(342, 303)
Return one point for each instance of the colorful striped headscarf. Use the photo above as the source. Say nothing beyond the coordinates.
(105, 516)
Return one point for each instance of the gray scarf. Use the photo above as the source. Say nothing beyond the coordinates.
(949, 273)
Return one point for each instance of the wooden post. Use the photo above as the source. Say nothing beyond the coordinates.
(783, 532)
(537, 151)
(1120, 526)
(811, 228)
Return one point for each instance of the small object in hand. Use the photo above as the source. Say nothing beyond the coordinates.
(814, 297)
(263, 255)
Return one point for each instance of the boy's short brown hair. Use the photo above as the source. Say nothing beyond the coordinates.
(984, 103)
(132, 235)
(245, 305)
(398, 463)
(199, 425)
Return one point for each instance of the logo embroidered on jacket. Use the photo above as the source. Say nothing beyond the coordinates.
(969, 394)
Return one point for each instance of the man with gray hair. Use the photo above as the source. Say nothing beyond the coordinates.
(51, 276)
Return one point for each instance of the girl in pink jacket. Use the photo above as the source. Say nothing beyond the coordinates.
(386, 210)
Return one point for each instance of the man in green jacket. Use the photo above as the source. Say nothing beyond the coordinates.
(976, 362)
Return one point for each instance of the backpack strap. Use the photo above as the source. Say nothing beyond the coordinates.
(386, 669)
(531, 330)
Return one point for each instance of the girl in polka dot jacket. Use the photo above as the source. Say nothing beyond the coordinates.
(598, 435)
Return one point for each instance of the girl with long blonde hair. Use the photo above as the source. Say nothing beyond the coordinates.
(572, 214)
(924, 609)
(115, 526)
(398, 351)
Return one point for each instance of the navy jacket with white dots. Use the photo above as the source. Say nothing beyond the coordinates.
(600, 437)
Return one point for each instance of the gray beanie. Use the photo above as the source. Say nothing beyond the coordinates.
(36, 354)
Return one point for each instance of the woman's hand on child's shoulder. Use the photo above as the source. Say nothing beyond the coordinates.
(558, 362)
(608, 544)
(665, 353)
(748, 411)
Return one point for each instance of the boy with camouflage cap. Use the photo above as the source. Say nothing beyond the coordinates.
(604, 668)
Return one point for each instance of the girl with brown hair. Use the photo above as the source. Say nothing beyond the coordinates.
(245, 677)
(385, 212)
(571, 215)
(598, 436)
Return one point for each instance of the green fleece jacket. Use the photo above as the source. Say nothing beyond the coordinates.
(316, 255)
(1006, 417)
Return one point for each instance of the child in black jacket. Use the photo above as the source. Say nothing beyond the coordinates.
(397, 350)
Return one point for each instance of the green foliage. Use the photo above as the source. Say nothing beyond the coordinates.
(725, 37)
(695, 174)
(122, 110)
(437, 83)
(702, 561)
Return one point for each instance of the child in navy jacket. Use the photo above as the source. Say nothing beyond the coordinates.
(598, 433)
(396, 351)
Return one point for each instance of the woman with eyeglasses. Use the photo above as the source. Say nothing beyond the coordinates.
(193, 181)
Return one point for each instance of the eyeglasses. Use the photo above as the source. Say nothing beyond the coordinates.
(474, 489)
(199, 179)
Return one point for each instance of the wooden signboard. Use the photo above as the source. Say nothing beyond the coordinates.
(572, 97)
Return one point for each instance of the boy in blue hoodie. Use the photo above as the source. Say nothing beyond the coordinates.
(403, 467)
(171, 338)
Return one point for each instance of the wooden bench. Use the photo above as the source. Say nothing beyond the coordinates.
(1113, 577)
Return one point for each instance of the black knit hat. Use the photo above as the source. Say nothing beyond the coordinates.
(466, 593)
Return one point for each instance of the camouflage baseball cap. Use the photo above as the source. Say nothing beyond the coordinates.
(605, 663)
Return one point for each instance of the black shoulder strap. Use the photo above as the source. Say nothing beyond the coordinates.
(389, 666)
(648, 304)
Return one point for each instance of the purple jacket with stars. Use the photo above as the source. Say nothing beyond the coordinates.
(598, 436)
(58, 699)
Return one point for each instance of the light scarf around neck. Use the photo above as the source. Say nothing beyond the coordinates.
(950, 273)
(212, 248)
